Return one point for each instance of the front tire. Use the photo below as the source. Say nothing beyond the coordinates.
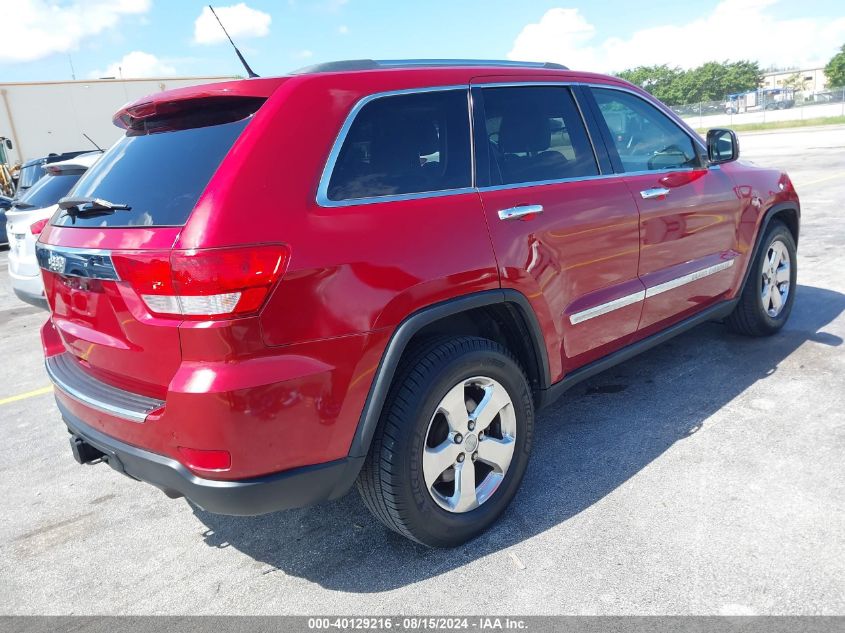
(766, 301)
(452, 443)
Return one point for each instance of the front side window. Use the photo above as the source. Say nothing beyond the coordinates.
(535, 134)
(405, 144)
(645, 138)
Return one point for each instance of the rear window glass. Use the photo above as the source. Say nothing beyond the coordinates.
(405, 144)
(159, 176)
(48, 190)
(30, 175)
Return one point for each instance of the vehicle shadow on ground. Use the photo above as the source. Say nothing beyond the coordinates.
(594, 439)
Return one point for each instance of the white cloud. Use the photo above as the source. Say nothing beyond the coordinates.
(734, 29)
(343, 29)
(38, 28)
(304, 54)
(240, 21)
(333, 6)
(134, 65)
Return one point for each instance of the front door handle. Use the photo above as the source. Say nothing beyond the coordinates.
(514, 213)
(655, 192)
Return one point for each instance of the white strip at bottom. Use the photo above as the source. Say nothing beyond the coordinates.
(604, 308)
(686, 279)
(622, 302)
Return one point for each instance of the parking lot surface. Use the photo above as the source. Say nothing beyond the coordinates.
(705, 476)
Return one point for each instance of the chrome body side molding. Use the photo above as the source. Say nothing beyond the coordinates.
(686, 279)
(604, 308)
(622, 302)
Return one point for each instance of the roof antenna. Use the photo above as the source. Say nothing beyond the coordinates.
(249, 71)
(92, 142)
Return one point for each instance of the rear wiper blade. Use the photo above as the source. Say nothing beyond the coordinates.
(22, 205)
(80, 206)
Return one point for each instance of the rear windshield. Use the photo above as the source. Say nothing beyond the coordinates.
(30, 175)
(48, 190)
(159, 176)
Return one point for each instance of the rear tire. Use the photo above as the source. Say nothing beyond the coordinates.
(428, 443)
(766, 300)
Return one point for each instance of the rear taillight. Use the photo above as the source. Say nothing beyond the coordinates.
(39, 226)
(204, 283)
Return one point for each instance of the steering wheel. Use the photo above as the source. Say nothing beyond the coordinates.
(669, 149)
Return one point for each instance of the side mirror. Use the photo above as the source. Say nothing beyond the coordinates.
(722, 146)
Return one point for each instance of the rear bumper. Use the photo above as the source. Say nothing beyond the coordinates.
(29, 289)
(294, 488)
(34, 300)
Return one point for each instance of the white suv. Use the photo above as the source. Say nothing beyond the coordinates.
(28, 217)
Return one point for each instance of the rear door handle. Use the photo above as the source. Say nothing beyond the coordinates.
(656, 192)
(514, 213)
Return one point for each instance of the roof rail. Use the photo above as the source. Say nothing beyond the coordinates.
(373, 64)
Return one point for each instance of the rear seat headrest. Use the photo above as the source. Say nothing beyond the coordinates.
(524, 131)
(404, 138)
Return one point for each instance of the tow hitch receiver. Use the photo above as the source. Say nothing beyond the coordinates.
(83, 452)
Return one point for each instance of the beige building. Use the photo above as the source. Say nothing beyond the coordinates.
(807, 80)
(45, 117)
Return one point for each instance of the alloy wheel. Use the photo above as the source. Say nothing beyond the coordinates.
(774, 284)
(469, 444)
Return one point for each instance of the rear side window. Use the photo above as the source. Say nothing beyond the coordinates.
(48, 190)
(404, 144)
(535, 134)
(160, 176)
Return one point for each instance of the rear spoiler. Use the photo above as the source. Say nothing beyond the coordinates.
(242, 97)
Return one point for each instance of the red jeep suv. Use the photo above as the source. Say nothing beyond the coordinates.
(375, 272)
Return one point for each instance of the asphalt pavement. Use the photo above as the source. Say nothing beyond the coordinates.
(703, 477)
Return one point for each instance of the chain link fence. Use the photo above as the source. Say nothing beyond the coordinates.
(805, 105)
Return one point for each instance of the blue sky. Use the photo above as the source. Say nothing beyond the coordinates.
(276, 36)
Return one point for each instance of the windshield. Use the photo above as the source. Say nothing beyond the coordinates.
(159, 176)
(48, 190)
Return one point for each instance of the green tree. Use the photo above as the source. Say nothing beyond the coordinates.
(713, 80)
(708, 82)
(704, 83)
(741, 76)
(835, 69)
(661, 81)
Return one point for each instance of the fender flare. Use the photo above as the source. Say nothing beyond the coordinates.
(406, 330)
(768, 216)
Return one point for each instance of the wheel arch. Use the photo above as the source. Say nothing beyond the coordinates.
(505, 313)
(786, 212)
